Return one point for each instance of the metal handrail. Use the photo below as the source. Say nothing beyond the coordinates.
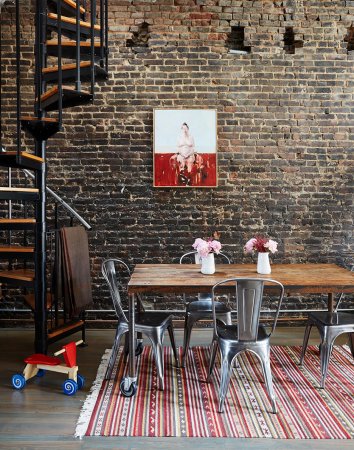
(78, 48)
(18, 79)
(62, 202)
(28, 174)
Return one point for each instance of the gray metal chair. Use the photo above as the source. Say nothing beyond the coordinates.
(247, 335)
(201, 309)
(151, 324)
(330, 325)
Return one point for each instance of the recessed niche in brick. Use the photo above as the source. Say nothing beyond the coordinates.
(236, 41)
(350, 39)
(290, 43)
(140, 38)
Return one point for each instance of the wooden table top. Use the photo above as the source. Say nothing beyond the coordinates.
(186, 278)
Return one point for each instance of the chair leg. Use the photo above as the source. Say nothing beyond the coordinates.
(188, 325)
(173, 343)
(226, 369)
(118, 336)
(213, 350)
(224, 318)
(305, 341)
(126, 348)
(157, 347)
(325, 354)
(351, 343)
(264, 357)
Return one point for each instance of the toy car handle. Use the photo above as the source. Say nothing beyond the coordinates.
(63, 349)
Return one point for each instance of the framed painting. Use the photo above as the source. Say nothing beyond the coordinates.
(185, 148)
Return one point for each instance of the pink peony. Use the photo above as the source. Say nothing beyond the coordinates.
(272, 246)
(216, 246)
(261, 244)
(198, 242)
(204, 247)
(249, 247)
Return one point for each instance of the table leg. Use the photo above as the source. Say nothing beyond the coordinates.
(128, 384)
(139, 335)
(330, 302)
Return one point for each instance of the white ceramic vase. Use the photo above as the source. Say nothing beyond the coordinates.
(208, 264)
(263, 264)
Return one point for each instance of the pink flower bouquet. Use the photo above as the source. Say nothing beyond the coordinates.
(206, 246)
(261, 245)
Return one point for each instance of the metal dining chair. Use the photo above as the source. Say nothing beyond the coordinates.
(201, 309)
(330, 325)
(151, 324)
(247, 335)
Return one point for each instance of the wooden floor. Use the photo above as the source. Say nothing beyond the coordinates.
(41, 417)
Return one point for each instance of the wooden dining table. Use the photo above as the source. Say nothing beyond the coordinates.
(299, 279)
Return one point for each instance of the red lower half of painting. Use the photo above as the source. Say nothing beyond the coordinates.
(198, 170)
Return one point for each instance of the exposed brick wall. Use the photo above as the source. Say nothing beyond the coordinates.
(285, 132)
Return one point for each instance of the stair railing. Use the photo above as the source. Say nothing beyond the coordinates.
(62, 202)
(78, 48)
(37, 51)
(60, 68)
(57, 198)
(93, 21)
(105, 43)
(18, 79)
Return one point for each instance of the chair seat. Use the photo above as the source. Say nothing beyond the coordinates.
(152, 319)
(229, 332)
(332, 319)
(205, 306)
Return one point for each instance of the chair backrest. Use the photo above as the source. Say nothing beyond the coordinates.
(110, 275)
(249, 297)
(193, 257)
(342, 294)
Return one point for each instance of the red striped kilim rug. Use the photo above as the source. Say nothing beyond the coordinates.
(188, 406)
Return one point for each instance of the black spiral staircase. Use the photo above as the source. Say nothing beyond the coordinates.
(71, 55)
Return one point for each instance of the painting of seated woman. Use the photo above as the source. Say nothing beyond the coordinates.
(185, 147)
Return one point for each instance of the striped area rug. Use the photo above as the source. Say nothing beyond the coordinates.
(188, 406)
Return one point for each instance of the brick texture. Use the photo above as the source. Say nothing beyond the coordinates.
(285, 131)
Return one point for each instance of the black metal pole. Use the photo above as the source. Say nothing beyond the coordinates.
(78, 50)
(60, 68)
(84, 6)
(37, 53)
(0, 85)
(102, 22)
(18, 79)
(93, 19)
(40, 316)
(40, 259)
(106, 33)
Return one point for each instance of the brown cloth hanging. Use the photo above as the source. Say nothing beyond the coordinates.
(75, 264)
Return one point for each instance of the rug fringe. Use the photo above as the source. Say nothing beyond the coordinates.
(90, 401)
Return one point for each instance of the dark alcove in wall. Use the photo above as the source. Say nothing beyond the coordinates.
(140, 38)
(350, 39)
(290, 43)
(236, 40)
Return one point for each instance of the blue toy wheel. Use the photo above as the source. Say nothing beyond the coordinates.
(40, 373)
(80, 381)
(69, 387)
(18, 381)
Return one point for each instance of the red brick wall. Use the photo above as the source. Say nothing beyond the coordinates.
(285, 132)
